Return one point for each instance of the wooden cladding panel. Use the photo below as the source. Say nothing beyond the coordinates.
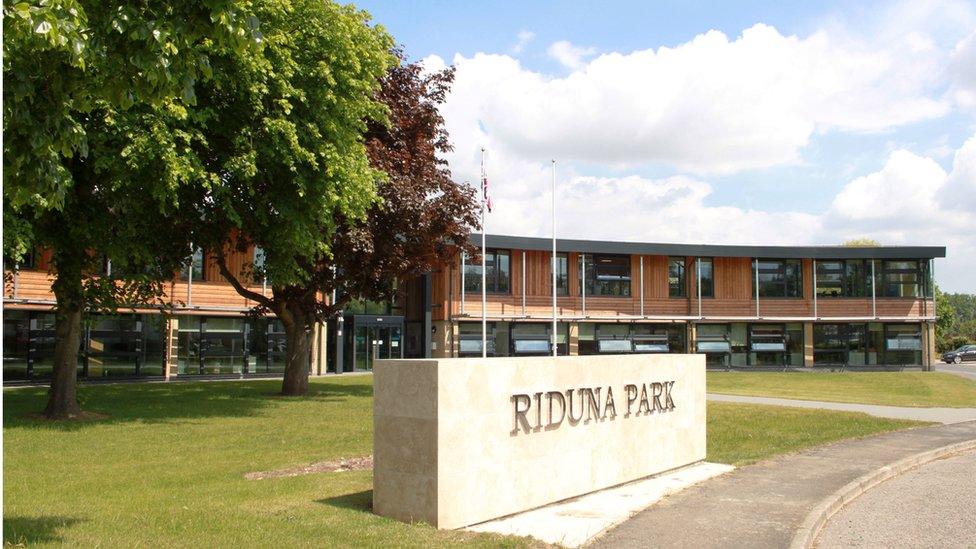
(733, 278)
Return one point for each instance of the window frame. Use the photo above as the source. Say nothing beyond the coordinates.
(679, 289)
(591, 275)
(562, 277)
(700, 261)
(848, 283)
(189, 267)
(785, 282)
(492, 281)
(919, 272)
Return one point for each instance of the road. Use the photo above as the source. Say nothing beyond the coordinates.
(966, 369)
(931, 506)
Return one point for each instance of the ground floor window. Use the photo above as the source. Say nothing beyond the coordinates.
(606, 338)
(740, 344)
(867, 344)
(534, 338)
(229, 345)
(470, 340)
(122, 345)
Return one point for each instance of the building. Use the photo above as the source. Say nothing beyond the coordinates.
(742, 306)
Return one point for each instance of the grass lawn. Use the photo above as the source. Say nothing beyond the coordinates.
(166, 467)
(890, 388)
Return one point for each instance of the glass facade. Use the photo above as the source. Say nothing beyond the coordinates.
(779, 278)
(867, 344)
(605, 275)
(562, 274)
(706, 268)
(844, 278)
(125, 345)
(901, 278)
(677, 283)
(631, 338)
(497, 273)
(194, 265)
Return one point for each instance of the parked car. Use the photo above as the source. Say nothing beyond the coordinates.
(966, 352)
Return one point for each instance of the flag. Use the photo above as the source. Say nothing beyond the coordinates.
(484, 190)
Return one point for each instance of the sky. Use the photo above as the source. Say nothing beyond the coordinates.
(779, 123)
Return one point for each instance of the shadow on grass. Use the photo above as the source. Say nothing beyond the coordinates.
(357, 501)
(32, 530)
(163, 402)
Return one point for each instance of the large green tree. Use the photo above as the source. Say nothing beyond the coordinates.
(284, 138)
(95, 96)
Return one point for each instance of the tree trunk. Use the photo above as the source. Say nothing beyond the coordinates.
(62, 400)
(297, 344)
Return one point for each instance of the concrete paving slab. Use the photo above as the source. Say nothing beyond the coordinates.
(764, 505)
(574, 522)
(935, 415)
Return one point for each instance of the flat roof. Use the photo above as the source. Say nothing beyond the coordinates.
(710, 250)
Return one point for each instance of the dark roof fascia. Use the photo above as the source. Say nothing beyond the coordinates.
(710, 250)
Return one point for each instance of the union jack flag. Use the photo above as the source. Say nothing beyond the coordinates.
(484, 189)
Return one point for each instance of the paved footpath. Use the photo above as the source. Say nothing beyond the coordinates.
(937, 415)
(966, 369)
(762, 505)
(931, 506)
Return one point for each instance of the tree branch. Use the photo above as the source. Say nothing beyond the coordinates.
(230, 277)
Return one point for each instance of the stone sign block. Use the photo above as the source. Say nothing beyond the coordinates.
(462, 441)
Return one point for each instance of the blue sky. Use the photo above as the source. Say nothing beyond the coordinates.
(870, 110)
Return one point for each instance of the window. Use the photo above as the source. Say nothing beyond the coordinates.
(707, 276)
(497, 273)
(779, 278)
(469, 339)
(838, 278)
(258, 273)
(193, 266)
(903, 344)
(900, 279)
(562, 274)
(606, 275)
(676, 277)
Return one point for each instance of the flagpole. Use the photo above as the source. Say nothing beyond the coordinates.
(484, 288)
(554, 309)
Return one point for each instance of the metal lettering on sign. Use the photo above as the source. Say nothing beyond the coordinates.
(583, 405)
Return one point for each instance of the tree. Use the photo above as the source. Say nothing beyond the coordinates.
(284, 139)
(88, 87)
(861, 243)
(945, 321)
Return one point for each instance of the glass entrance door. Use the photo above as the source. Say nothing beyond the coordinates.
(376, 342)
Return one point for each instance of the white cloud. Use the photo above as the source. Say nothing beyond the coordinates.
(963, 71)
(710, 105)
(524, 37)
(568, 55)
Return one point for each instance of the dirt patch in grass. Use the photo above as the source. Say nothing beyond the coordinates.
(334, 466)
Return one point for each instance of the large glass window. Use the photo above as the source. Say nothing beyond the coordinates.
(903, 344)
(631, 338)
(16, 342)
(266, 346)
(706, 268)
(469, 339)
(497, 273)
(562, 274)
(830, 343)
(713, 341)
(900, 279)
(194, 265)
(780, 278)
(533, 338)
(844, 278)
(606, 275)
(677, 284)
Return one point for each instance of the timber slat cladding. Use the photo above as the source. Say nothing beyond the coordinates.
(733, 289)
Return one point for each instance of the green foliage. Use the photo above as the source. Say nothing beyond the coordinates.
(861, 243)
(284, 132)
(957, 320)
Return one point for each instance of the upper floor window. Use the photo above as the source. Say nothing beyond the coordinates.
(193, 266)
(844, 278)
(779, 278)
(676, 277)
(606, 275)
(901, 279)
(562, 274)
(497, 273)
(706, 276)
(258, 268)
